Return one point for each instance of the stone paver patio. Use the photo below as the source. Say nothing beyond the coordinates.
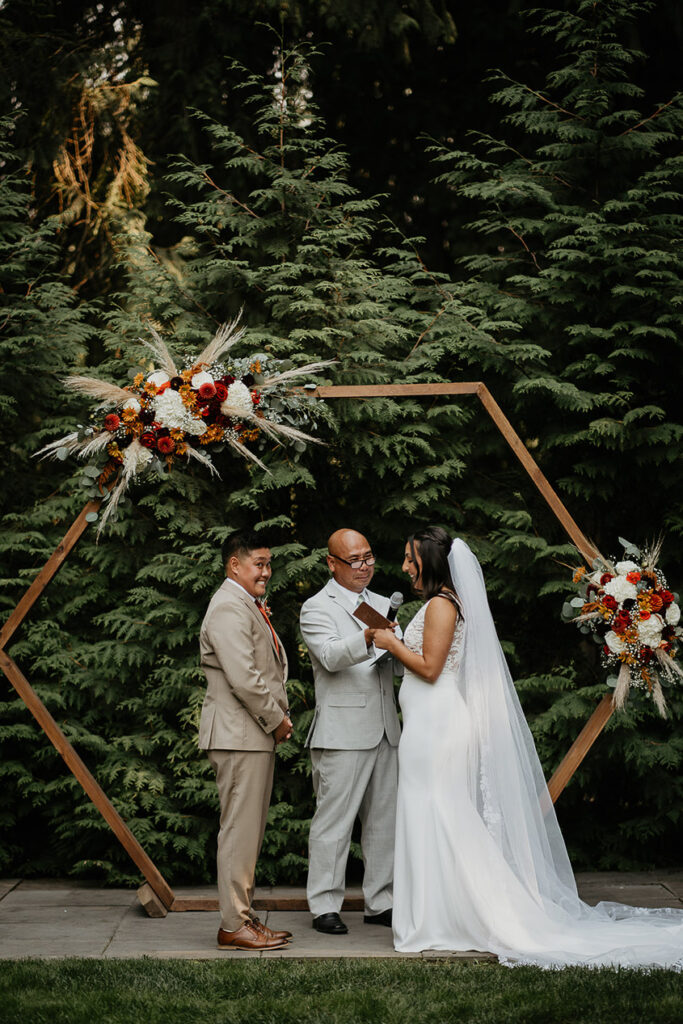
(56, 918)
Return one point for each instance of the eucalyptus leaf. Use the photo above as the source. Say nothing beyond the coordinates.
(91, 517)
(577, 602)
(62, 454)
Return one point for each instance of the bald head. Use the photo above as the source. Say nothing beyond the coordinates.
(345, 546)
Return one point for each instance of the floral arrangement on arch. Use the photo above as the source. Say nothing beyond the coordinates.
(169, 414)
(628, 608)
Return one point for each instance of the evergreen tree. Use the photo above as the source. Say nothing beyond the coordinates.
(573, 254)
(272, 225)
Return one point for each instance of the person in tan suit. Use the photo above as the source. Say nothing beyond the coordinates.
(244, 716)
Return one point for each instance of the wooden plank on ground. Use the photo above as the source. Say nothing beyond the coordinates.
(291, 903)
(151, 904)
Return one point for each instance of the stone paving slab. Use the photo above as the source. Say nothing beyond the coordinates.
(50, 918)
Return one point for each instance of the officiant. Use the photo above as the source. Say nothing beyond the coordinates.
(353, 738)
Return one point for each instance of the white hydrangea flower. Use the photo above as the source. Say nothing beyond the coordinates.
(614, 642)
(171, 412)
(158, 378)
(673, 614)
(133, 404)
(650, 630)
(239, 398)
(625, 567)
(135, 458)
(201, 378)
(621, 589)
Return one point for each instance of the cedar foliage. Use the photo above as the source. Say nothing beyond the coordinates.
(272, 223)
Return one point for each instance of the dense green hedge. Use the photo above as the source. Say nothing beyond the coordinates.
(566, 303)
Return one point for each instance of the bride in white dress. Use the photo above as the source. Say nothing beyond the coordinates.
(480, 863)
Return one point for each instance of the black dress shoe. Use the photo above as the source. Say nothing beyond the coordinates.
(331, 924)
(383, 918)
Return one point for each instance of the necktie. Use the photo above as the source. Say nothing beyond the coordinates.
(264, 613)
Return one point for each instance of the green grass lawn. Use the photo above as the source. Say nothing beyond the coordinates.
(329, 992)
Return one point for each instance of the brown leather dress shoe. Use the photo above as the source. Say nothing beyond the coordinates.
(247, 937)
(265, 930)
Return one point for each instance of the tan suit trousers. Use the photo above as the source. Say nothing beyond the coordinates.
(245, 780)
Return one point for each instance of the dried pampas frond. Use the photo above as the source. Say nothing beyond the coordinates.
(658, 698)
(69, 441)
(585, 618)
(164, 359)
(297, 371)
(225, 337)
(669, 667)
(200, 457)
(115, 496)
(622, 688)
(95, 445)
(652, 552)
(248, 454)
(276, 430)
(107, 394)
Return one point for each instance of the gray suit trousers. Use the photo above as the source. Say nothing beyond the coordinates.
(347, 784)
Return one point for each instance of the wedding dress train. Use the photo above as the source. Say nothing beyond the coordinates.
(480, 863)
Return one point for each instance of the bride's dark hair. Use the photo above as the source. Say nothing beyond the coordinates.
(434, 545)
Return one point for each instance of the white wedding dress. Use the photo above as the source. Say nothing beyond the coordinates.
(480, 863)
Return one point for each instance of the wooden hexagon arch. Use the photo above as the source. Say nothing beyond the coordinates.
(156, 895)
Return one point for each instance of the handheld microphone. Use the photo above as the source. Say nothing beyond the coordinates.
(395, 602)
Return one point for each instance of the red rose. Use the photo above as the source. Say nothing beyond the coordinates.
(667, 597)
(633, 577)
(256, 397)
(656, 602)
(221, 391)
(610, 602)
(605, 578)
(112, 422)
(645, 654)
(644, 615)
(148, 440)
(605, 649)
(166, 445)
(207, 391)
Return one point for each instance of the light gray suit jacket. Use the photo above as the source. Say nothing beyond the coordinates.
(354, 698)
(245, 674)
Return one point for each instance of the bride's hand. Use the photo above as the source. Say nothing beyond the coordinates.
(385, 639)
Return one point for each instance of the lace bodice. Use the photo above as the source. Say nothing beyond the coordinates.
(414, 636)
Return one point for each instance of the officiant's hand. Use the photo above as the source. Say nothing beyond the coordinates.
(385, 639)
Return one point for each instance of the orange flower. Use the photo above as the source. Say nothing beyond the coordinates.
(579, 574)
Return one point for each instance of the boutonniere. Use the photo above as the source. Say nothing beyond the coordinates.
(263, 604)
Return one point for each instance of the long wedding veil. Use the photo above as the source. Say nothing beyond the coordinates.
(540, 918)
(506, 780)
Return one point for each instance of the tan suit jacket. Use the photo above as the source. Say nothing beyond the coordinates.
(245, 697)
